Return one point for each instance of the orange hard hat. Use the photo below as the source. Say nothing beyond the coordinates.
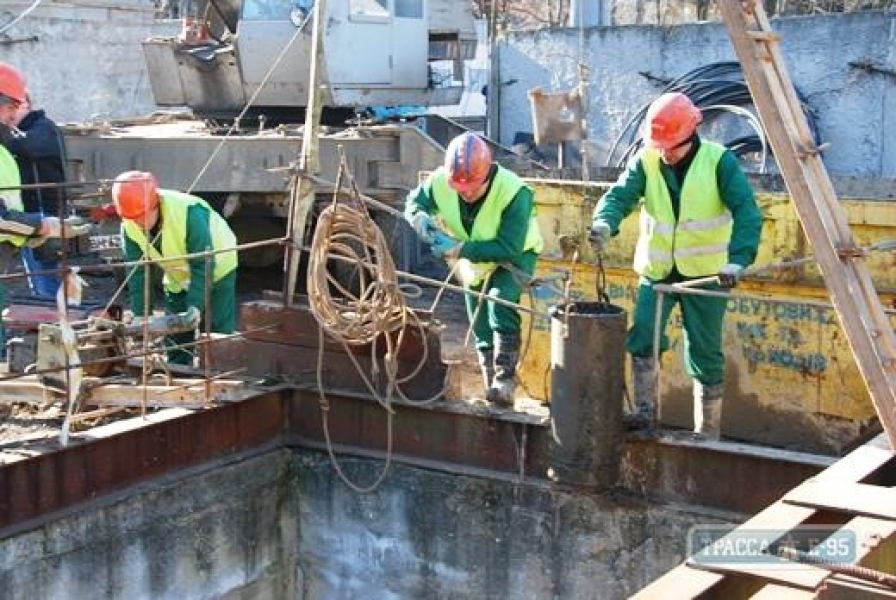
(468, 160)
(671, 120)
(135, 194)
(12, 83)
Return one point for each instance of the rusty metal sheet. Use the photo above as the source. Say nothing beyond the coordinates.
(454, 439)
(875, 538)
(291, 353)
(90, 468)
(681, 470)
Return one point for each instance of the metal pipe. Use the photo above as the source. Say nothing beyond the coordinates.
(587, 395)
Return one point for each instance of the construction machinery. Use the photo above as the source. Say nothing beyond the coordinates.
(246, 64)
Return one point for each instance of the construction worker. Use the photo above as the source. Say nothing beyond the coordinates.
(166, 226)
(481, 215)
(698, 219)
(39, 152)
(17, 227)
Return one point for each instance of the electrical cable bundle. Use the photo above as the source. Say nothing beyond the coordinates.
(716, 89)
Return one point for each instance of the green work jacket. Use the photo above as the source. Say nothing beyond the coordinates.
(176, 209)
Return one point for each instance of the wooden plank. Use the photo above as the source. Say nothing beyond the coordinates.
(189, 393)
(690, 581)
(687, 581)
(805, 577)
(681, 582)
(783, 592)
(302, 193)
(848, 281)
(845, 497)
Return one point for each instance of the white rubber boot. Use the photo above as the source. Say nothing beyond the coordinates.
(708, 409)
(644, 375)
(487, 365)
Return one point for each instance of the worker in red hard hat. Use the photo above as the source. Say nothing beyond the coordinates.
(481, 215)
(40, 153)
(698, 219)
(18, 228)
(167, 226)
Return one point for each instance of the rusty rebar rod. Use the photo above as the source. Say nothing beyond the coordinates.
(857, 571)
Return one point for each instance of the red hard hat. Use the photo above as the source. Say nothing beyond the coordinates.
(135, 194)
(468, 160)
(12, 83)
(671, 120)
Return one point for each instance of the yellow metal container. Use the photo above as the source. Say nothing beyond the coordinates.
(791, 377)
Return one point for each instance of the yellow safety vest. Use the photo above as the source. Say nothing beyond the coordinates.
(504, 188)
(174, 207)
(10, 178)
(697, 243)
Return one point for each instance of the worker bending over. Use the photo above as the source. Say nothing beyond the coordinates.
(164, 226)
(483, 216)
(19, 229)
(698, 218)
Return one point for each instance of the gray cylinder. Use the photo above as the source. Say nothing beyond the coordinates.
(587, 388)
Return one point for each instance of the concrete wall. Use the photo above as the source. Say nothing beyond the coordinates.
(284, 525)
(228, 532)
(83, 60)
(424, 534)
(853, 107)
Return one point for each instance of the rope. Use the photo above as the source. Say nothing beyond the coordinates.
(371, 312)
(357, 318)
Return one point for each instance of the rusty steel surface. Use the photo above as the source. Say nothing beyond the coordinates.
(91, 468)
(284, 343)
(874, 547)
(448, 436)
(738, 477)
(444, 436)
(732, 477)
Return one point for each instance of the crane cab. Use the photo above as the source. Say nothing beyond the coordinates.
(376, 53)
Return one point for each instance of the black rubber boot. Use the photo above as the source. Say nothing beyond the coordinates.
(487, 364)
(507, 354)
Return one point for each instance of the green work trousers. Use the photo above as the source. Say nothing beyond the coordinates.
(222, 301)
(489, 318)
(701, 318)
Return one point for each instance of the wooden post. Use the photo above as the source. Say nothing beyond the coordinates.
(842, 264)
(302, 186)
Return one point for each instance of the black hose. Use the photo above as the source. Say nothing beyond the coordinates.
(711, 87)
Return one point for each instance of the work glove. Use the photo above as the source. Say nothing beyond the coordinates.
(730, 274)
(599, 235)
(191, 317)
(71, 227)
(425, 227)
(98, 214)
(443, 245)
(129, 319)
(7, 133)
